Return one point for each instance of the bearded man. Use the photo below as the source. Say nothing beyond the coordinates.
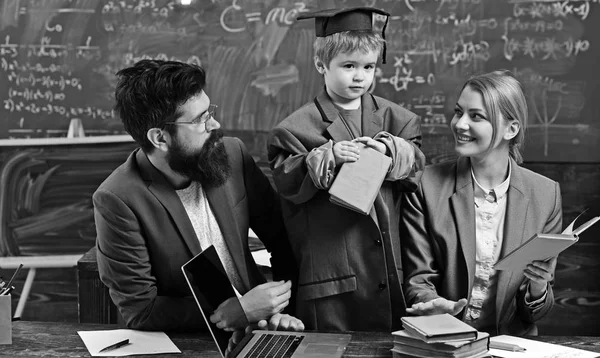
(187, 187)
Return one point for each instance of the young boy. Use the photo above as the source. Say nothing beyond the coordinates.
(350, 269)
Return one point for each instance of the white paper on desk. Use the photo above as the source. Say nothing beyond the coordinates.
(537, 349)
(140, 342)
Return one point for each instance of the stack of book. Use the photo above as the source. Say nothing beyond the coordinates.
(441, 336)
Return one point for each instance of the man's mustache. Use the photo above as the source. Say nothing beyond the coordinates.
(215, 136)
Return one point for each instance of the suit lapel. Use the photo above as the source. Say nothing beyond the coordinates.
(372, 123)
(372, 119)
(164, 192)
(514, 225)
(221, 208)
(337, 129)
(463, 210)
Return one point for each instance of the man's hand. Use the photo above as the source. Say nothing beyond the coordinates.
(539, 274)
(236, 338)
(229, 316)
(370, 142)
(265, 300)
(437, 306)
(345, 151)
(282, 322)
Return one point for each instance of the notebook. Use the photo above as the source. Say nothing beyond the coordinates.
(210, 286)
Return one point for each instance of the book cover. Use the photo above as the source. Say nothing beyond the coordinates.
(438, 328)
(357, 183)
(542, 247)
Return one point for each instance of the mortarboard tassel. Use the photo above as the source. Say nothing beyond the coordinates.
(383, 36)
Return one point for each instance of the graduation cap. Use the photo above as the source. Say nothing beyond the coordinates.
(331, 21)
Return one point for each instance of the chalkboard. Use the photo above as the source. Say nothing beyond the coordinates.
(58, 59)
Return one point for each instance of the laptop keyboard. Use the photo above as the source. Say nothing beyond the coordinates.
(275, 346)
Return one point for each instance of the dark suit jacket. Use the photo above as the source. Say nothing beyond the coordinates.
(438, 238)
(350, 269)
(144, 236)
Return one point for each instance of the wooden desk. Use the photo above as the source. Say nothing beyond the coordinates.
(37, 339)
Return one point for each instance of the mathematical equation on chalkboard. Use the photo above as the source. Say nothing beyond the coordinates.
(533, 30)
(58, 58)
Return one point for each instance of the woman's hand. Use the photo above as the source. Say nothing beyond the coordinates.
(539, 274)
(437, 306)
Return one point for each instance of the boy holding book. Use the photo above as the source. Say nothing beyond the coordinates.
(350, 269)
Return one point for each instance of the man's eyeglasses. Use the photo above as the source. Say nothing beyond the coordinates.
(210, 113)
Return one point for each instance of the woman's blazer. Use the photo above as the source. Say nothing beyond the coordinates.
(438, 239)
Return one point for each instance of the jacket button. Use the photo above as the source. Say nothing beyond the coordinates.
(382, 285)
(378, 242)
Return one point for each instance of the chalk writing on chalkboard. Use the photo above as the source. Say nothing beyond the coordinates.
(58, 59)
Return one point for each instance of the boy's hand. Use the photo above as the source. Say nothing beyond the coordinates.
(345, 151)
(370, 142)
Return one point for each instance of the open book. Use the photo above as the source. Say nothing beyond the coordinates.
(357, 183)
(542, 247)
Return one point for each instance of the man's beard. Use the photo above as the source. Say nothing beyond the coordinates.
(209, 165)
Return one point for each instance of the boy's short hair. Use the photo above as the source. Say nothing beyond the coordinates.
(326, 48)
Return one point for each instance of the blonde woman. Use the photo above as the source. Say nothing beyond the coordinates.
(469, 213)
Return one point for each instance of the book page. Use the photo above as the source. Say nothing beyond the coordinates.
(569, 229)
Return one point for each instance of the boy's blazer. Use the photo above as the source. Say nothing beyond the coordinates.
(144, 236)
(438, 239)
(350, 271)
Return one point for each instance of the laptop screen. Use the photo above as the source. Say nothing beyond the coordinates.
(210, 286)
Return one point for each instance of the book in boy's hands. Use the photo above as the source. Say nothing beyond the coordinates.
(542, 247)
(438, 328)
(357, 183)
(406, 343)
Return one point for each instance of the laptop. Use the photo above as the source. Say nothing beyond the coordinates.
(210, 286)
